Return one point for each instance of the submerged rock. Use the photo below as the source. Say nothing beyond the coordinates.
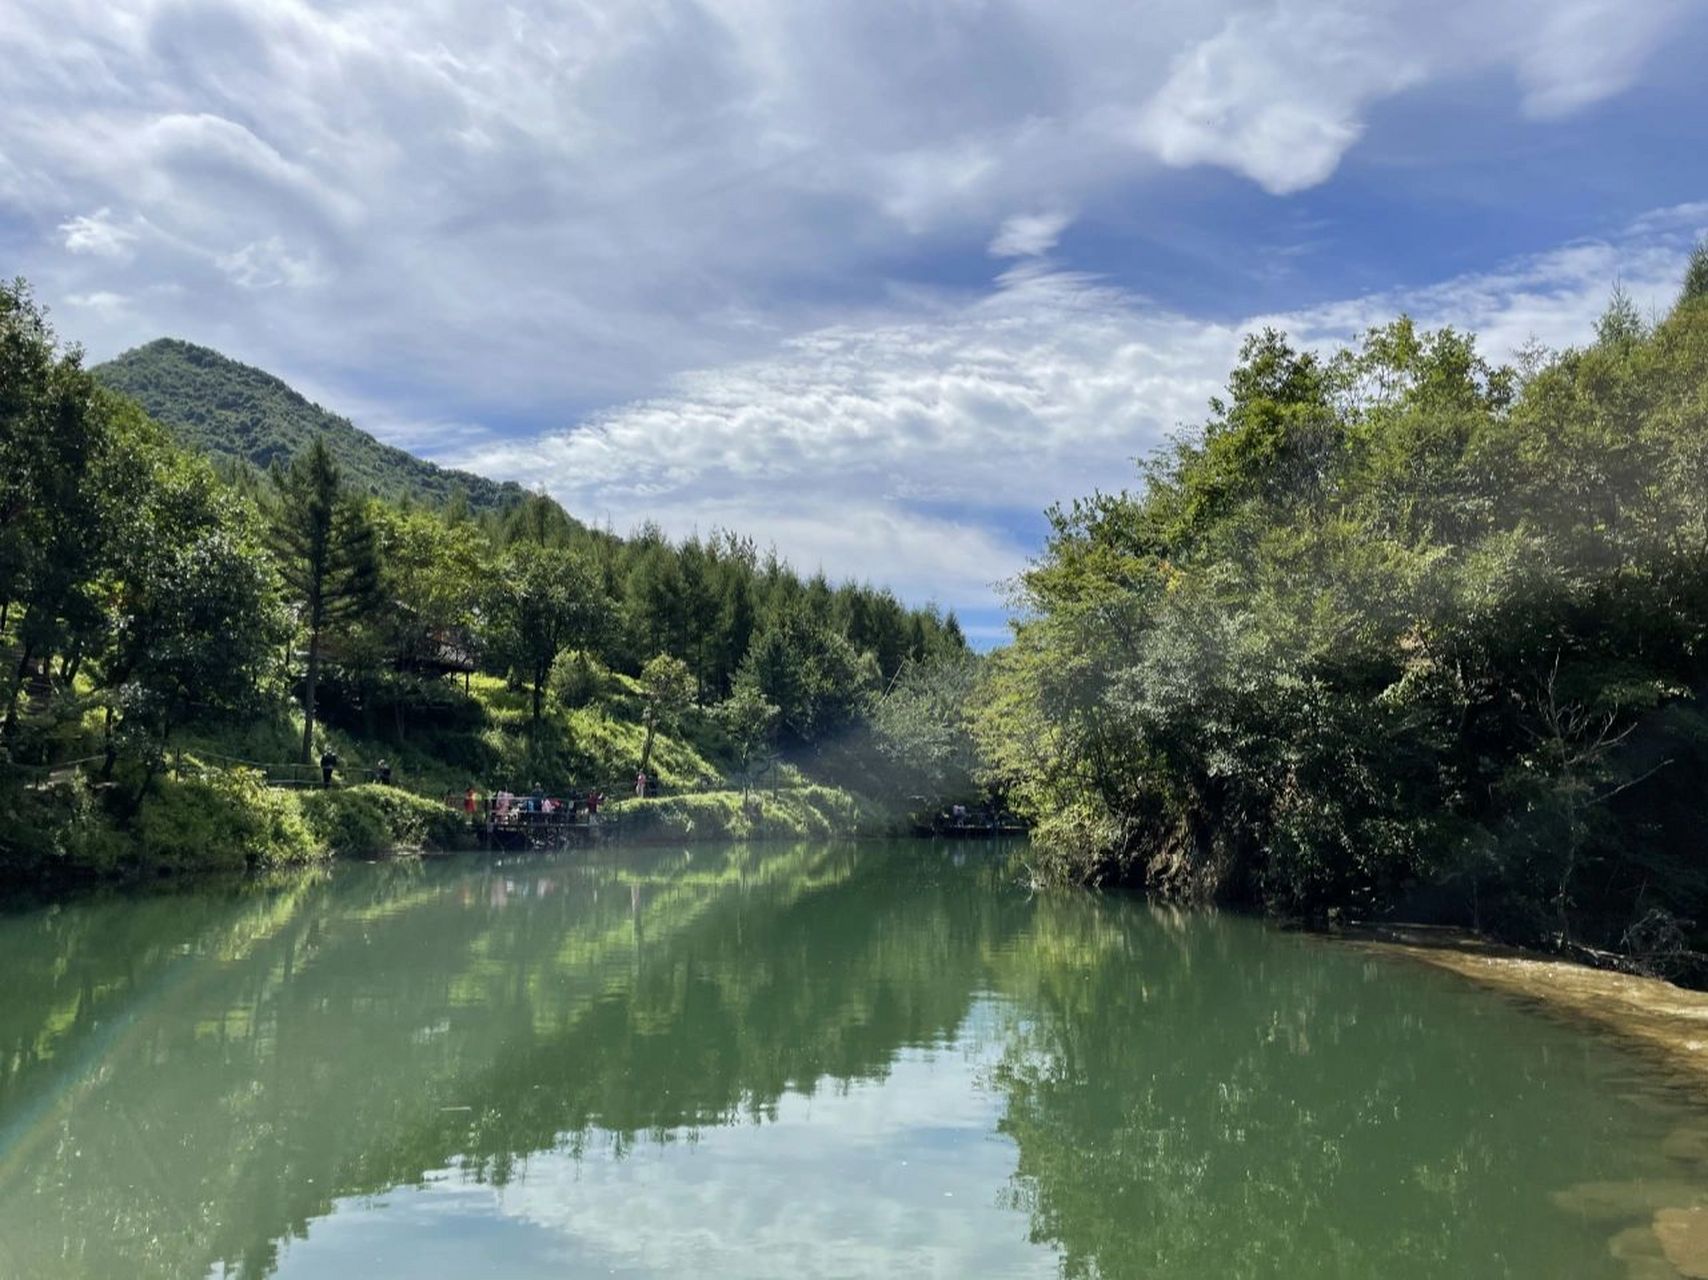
(1689, 1145)
(1628, 1201)
(1639, 1249)
(1683, 1234)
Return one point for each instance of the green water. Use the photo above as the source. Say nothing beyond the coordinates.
(810, 1061)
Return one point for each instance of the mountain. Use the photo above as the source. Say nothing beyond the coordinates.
(232, 410)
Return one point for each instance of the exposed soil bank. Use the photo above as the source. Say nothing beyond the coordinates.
(1665, 1021)
(1660, 1226)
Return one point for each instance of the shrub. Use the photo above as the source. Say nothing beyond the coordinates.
(360, 822)
(347, 823)
(796, 813)
(62, 827)
(577, 678)
(225, 820)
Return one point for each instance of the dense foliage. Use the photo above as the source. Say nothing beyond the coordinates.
(214, 405)
(1396, 629)
(151, 608)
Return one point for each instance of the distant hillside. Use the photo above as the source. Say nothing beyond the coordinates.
(232, 410)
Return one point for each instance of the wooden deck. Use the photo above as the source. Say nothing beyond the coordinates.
(973, 827)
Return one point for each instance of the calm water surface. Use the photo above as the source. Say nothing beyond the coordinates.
(809, 1061)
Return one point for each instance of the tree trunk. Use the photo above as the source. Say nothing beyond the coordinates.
(646, 748)
(11, 721)
(109, 749)
(154, 762)
(310, 680)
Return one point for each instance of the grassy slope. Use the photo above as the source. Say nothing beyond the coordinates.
(232, 410)
(482, 738)
(210, 809)
(227, 409)
(797, 812)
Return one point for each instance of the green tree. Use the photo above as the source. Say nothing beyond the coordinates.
(432, 568)
(751, 723)
(196, 619)
(543, 600)
(324, 545)
(667, 685)
(921, 726)
(1696, 276)
(813, 676)
(1393, 618)
(65, 484)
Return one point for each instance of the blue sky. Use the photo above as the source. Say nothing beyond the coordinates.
(876, 280)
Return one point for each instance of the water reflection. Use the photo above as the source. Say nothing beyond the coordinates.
(816, 1060)
(1193, 1096)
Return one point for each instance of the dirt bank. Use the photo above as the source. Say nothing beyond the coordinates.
(1666, 1022)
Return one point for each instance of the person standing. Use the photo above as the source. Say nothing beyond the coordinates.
(328, 762)
(640, 785)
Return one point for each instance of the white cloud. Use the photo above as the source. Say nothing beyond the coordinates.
(98, 234)
(896, 450)
(1028, 235)
(100, 301)
(895, 1177)
(265, 264)
(1281, 91)
(1278, 95)
(706, 212)
(920, 450)
(570, 202)
(1581, 51)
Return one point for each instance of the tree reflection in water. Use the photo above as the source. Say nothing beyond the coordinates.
(189, 1079)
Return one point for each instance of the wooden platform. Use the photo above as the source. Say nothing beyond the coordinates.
(972, 829)
(514, 832)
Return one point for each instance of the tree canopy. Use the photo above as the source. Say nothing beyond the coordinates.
(1397, 625)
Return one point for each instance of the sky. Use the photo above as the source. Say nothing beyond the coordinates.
(876, 281)
(904, 1176)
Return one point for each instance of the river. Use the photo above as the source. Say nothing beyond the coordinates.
(820, 1060)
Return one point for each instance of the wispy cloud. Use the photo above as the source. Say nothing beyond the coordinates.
(547, 203)
(1282, 90)
(920, 450)
(98, 234)
(1028, 235)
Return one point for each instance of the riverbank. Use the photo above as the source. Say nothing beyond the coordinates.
(1666, 1023)
(231, 797)
(229, 822)
(1659, 1225)
(793, 813)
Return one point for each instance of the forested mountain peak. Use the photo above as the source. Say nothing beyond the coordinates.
(232, 410)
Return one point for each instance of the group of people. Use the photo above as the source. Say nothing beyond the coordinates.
(504, 807)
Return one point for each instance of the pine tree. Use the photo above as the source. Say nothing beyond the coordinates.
(1696, 276)
(325, 548)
